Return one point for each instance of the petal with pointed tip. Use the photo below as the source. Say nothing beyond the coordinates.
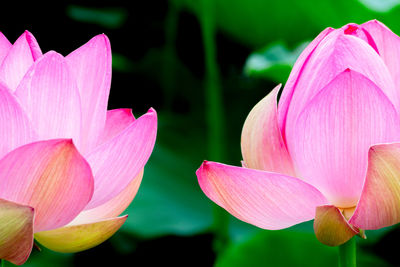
(118, 161)
(49, 95)
(117, 120)
(379, 205)
(113, 207)
(330, 226)
(80, 237)
(91, 66)
(16, 128)
(5, 46)
(16, 231)
(262, 144)
(50, 176)
(265, 199)
(19, 59)
(330, 141)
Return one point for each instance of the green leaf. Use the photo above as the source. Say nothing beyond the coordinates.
(46, 257)
(274, 62)
(170, 200)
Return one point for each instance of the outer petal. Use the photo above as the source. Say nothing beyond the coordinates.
(336, 53)
(118, 161)
(19, 59)
(294, 76)
(379, 205)
(263, 147)
(49, 95)
(16, 129)
(5, 46)
(266, 199)
(50, 176)
(117, 121)
(331, 138)
(80, 237)
(16, 231)
(113, 207)
(91, 65)
(388, 45)
(330, 226)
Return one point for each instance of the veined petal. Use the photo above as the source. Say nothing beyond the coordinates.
(330, 141)
(16, 129)
(265, 199)
(388, 46)
(118, 161)
(49, 95)
(330, 226)
(117, 121)
(113, 207)
(50, 176)
(19, 59)
(379, 205)
(16, 231)
(80, 237)
(5, 46)
(336, 53)
(262, 144)
(91, 66)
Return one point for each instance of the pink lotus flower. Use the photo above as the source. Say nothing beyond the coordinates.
(330, 150)
(68, 167)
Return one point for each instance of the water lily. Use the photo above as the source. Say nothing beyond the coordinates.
(68, 167)
(330, 149)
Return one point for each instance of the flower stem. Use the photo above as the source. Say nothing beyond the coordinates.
(214, 111)
(347, 253)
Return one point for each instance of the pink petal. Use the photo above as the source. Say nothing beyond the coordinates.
(388, 46)
(16, 231)
(113, 207)
(379, 205)
(336, 53)
(117, 120)
(50, 176)
(330, 226)
(331, 138)
(266, 199)
(80, 237)
(295, 76)
(118, 161)
(19, 59)
(91, 66)
(263, 147)
(5, 46)
(16, 129)
(49, 95)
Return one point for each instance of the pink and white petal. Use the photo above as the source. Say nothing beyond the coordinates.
(50, 96)
(330, 141)
(336, 53)
(379, 205)
(16, 129)
(330, 226)
(117, 121)
(295, 75)
(265, 199)
(5, 46)
(91, 66)
(50, 176)
(121, 159)
(388, 45)
(262, 144)
(16, 231)
(113, 207)
(75, 238)
(19, 59)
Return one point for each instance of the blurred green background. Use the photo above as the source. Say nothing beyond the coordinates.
(202, 64)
